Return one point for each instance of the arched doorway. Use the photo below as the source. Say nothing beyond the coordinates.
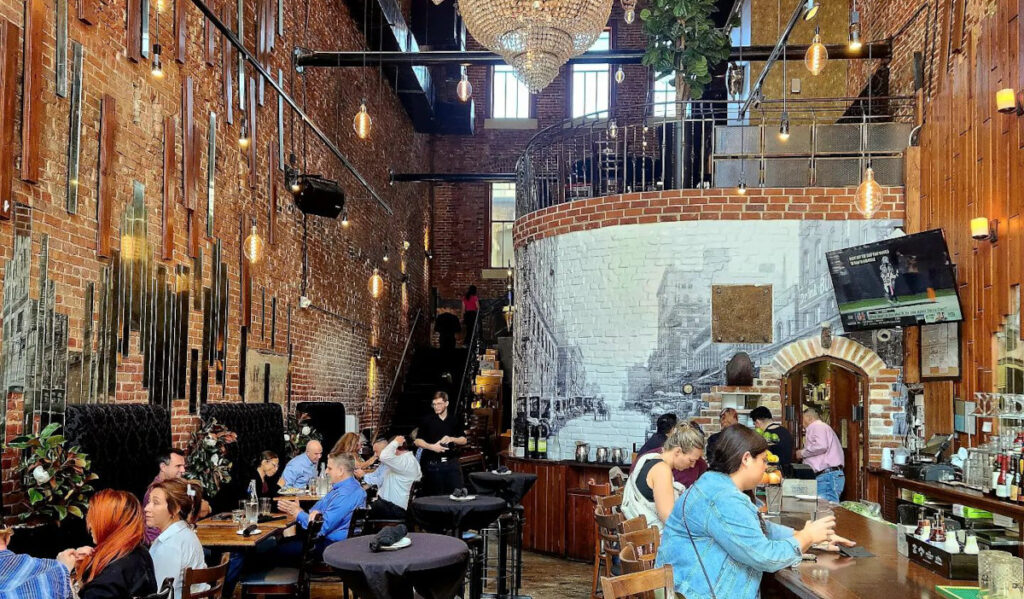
(837, 390)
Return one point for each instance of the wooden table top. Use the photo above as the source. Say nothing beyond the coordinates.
(223, 533)
(888, 574)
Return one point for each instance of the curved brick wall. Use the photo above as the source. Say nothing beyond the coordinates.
(808, 203)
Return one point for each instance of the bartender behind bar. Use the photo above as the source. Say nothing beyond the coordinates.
(440, 434)
(823, 452)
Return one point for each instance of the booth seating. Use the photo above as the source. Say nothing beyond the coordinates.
(259, 427)
(328, 418)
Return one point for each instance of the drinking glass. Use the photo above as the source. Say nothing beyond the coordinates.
(1006, 573)
(238, 517)
(264, 506)
(252, 511)
(986, 566)
(313, 487)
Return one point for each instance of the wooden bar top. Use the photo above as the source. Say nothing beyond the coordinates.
(963, 496)
(888, 574)
(223, 534)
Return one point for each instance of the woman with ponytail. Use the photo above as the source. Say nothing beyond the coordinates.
(173, 509)
(651, 490)
(118, 566)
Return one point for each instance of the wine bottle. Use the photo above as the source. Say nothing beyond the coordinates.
(1014, 482)
(542, 441)
(531, 442)
(1002, 491)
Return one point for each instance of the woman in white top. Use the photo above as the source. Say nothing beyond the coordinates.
(173, 508)
(651, 490)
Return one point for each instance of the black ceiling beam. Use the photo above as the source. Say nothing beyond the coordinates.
(305, 58)
(452, 177)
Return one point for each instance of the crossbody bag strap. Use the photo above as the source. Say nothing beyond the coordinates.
(711, 587)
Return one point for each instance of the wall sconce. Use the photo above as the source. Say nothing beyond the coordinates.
(375, 353)
(429, 255)
(1009, 101)
(982, 229)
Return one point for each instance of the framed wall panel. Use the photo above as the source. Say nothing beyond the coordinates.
(271, 193)
(133, 39)
(85, 11)
(211, 172)
(227, 71)
(209, 39)
(180, 30)
(9, 41)
(105, 181)
(61, 38)
(167, 236)
(251, 122)
(32, 90)
(187, 141)
(74, 129)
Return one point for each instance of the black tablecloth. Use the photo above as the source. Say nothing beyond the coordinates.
(441, 513)
(511, 487)
(434, 565)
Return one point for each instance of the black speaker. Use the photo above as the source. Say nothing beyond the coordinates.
(319, 196)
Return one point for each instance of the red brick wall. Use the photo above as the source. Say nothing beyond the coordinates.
(461, 212)
(808, 203)
(331, 355)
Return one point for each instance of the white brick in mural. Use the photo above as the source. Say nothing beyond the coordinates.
(620, 317)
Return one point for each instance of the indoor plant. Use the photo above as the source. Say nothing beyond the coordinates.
(206, 457)
(682, 39)
(298, 433)
(56, 480)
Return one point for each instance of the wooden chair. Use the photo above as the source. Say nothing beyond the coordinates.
(599, 489)
(646, 541)
(290, 582)
(607, 544)
(211, 576)
(166, 591)
(633, 524)
(609, 504)
(631, 561)
(639, 584)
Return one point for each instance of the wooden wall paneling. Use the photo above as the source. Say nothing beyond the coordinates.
(85, 11)
(9, 42)
(187, 143)
(105, 180)
(167, 235)
(32, 90)
(180, 30)
(957, 33)
(133, 39)
(1013, 250)
(938, 410)
(912, 355)
(251, 122)
(1019, 25)
(272, 193)
(209, 39)
(943, 50)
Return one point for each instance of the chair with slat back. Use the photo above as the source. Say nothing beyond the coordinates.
(214, 577)
(609, 504)
(646, 541)
(599, 489)
(166, 591)
(633, 524)
(630, 560)
(607, 544)
(639, 584)
(290, 582)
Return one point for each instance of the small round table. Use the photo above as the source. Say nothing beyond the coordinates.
(511, 487)
(433, 565)
(440, 513)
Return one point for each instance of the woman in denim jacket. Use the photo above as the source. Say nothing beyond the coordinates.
(728, 545)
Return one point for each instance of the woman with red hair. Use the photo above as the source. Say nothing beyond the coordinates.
(119, 566)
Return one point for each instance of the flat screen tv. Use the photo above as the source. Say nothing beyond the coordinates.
(903, 281)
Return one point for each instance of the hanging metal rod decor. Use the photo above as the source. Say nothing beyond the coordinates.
(777, 53)
(310, 58)
(248, 56)
(452, 177)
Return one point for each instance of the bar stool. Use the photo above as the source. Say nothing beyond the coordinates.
(633, 524)
(609, 504)
(607, 545)
(645, 542)
(641, 584)
(631, 562)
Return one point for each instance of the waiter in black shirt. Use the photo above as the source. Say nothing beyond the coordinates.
(439, 436)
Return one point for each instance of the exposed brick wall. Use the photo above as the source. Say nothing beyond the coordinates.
(808, 203)
(331, 355)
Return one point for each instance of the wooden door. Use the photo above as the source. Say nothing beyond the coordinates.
(844, 391)
(792, 408)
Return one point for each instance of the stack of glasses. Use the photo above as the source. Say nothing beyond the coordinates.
(1000, 575)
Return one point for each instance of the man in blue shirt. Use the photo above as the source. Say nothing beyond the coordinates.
(336, 507)
(302, 468)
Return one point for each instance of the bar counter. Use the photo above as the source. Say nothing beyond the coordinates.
(888, 574)
(964, 496)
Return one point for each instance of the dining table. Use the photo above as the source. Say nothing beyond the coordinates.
(221, 533)
(442, 513)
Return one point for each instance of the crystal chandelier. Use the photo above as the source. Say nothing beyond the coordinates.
(536, 37)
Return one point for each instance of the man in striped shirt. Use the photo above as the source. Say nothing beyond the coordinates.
(26, 577)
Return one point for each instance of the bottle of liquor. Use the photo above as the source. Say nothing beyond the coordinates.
(542, 440)
(531, 442)
(1002, 491)
(521, 431)
(995, 473)
(939, 530)
(1020, 480)
(1014, 481)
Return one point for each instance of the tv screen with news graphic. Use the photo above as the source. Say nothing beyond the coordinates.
(902, 281)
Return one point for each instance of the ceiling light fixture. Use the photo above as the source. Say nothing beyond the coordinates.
(869, 194)
(817, 55)
(464, 90)
(855, 43)
(784, 127)
(376, 284)
(253, 247)
(620, 75)
(629, 11)
(158, 67)
(362, 123)
(810, 9)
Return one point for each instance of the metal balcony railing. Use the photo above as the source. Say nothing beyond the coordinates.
(647, 148)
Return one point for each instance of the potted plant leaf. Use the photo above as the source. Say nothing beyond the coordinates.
(56, 482)
(682, 39)
(207, 456)
(298, 432)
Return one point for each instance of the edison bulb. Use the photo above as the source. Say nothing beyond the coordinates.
(376, 284)
(620, 75)
(464, 90)
(613, 129)
(630, 16)
(869, 194)
(253, 247)
(816, 56)
(362, 123)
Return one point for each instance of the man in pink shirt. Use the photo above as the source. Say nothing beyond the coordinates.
(824, 453)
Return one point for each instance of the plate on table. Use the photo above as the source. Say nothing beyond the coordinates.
(505, 473)
(253, 532)
(405, 542)
(289, 491)
(466, 498)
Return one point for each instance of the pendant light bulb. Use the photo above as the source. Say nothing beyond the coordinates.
(438, 2)
(464, 90)
(158, 67)
(784, 127)
(620, 75)
(613, 129)
(376, 284)
(362, 123)
(869, 194)
(253, 247)
(817, 55)
(810, 9)
(243, 133)
(630, 16)
(742, 188)
(295, 185)
(344, 219)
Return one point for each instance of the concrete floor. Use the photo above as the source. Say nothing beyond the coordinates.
(544, 577)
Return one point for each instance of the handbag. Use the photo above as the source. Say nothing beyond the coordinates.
(711, 587)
